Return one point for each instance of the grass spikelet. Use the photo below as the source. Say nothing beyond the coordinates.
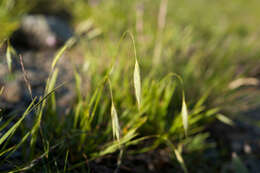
(9, 56)
(114, 116)
(184, 114)
(137, 83)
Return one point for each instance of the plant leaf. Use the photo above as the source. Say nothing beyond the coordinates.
(17, 124)
(58, 55)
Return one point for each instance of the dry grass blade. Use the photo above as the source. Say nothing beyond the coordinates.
(244, 82)
(184, 114)
(161, 24)
(25, 76)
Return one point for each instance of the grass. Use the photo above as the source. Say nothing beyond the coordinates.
(162, 85)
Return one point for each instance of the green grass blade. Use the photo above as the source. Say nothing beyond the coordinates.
(18, 145)
(7, 150)
(58, 55)
(66, 161)
(16, 125)
(6, 123)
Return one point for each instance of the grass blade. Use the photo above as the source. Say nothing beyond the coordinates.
(16, 125)
(66, 161)
(4, 125)
(58, 55)
(18, 145)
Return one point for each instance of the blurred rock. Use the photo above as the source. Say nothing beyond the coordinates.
(39, 31)
(37, 65)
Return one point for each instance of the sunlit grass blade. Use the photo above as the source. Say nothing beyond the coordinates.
(51, 86)
(184, 114)
(58, 55)
(49, 90)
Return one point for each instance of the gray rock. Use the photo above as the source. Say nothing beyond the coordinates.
(41, 31)
(37, 66)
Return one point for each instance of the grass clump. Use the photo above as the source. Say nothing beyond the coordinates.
(158, 87)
